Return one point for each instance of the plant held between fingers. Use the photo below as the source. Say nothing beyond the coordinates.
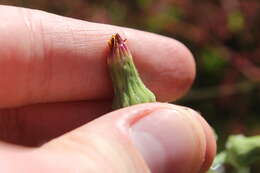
(128, 86)
(129, 90)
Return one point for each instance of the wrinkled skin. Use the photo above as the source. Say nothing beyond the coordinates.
(53, 79)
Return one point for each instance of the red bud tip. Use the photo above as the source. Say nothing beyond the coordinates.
(118, 47)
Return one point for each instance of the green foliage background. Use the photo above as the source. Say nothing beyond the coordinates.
(223, 35)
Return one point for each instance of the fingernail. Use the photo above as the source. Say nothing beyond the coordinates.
(165, 140)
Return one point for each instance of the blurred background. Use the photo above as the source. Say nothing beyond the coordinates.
(223, 35)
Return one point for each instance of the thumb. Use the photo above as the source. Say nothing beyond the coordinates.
(152, 137)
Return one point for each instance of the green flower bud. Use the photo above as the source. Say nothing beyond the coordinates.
(128, 86)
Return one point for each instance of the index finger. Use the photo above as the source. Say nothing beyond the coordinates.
(49, 58)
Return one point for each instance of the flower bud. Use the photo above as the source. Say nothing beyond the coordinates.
(128, 86)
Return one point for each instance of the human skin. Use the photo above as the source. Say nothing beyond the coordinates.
(54, 78)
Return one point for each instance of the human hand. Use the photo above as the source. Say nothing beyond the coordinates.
(53, 79)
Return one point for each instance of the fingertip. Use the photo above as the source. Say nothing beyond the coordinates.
(156, 136)
(168, 137)
(170, 140)
(63, 59)
(211, 145)
(165, 64)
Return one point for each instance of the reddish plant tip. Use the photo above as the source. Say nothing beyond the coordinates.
(116, 41)
(119, 40)
(111, 42)
(118, 47)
